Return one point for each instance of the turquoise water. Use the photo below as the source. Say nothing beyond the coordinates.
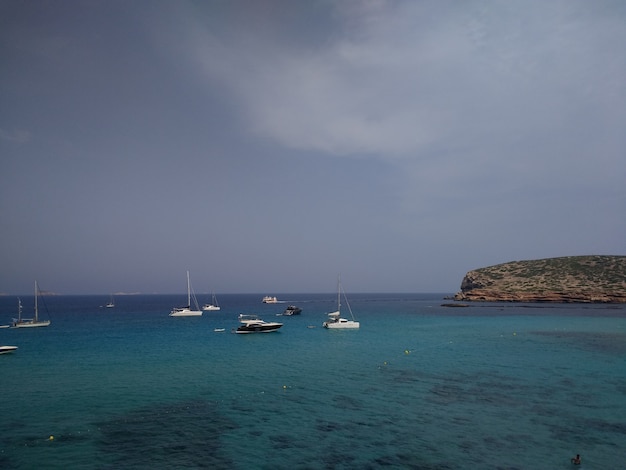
(418, 386)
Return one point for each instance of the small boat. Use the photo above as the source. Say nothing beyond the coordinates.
(292, 310)
(219, 330)
(270, 300)
(253, 324)
(7, 349)
(111, 303)
(20, 322)
(334, 318)
(213, 305)
(187, 311)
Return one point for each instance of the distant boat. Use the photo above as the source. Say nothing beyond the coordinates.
(20, 322)
(186, 311)
(334, 318)
(111, 303)
(7, 349)
(213, 305)
(253, 324)
(292, 310)
(270, 300)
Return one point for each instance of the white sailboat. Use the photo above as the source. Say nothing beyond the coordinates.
(20, 322)
(187, 311)
(111, 303)
(213, 305)
(334, 318)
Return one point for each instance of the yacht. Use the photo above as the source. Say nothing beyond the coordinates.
(292, 310)
(20, 322)
(270, 300)
(213, 306)
(334, 318)
(187, 311)
(253, 324)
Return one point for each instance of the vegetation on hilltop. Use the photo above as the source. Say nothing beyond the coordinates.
(568, 279)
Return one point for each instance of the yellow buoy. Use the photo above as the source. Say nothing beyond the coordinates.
(51, 438)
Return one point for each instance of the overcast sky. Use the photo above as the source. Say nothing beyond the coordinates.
(268, 146)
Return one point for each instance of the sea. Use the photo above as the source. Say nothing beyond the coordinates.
(420, 385)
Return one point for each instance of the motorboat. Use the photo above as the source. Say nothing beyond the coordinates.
(253, 324)
(292, 310)
(270, 300)
(7, 349)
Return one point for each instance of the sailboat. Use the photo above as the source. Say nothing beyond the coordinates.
(111, 303)
(186, 311)
(20, 322)
(334, 318)
(213, 305)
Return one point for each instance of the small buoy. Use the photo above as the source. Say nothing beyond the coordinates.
(284, 387)
(514, 334)
(51, 438)
(406, 351)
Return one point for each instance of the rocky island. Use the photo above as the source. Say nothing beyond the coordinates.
(589, 279)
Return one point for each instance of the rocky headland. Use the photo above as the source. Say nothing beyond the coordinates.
(588, 279)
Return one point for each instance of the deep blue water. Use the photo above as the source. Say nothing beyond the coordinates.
(418, 386)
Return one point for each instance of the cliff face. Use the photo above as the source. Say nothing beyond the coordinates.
(568, 279)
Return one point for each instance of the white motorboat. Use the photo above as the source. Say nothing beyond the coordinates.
(335, 321)
(253, 324)
(270, 300)
(7, 349)
(34, 322)
(187, 311)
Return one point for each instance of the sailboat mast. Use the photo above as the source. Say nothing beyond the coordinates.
(36, 309)
(188, 291)
(339, 293)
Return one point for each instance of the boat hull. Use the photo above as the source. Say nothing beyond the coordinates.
(30, 324)
(269, 328)
(342, 323)
(185, 313)
(207, 308)
(7, 349)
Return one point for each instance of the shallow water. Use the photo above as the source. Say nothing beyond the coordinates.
(418, 386)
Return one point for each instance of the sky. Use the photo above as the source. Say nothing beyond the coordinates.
(268, 146)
